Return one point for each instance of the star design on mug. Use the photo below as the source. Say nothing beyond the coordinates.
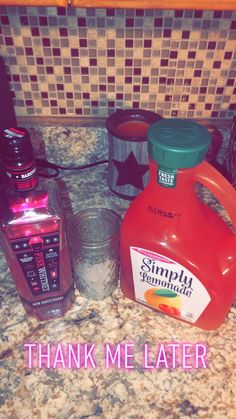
(130, 172)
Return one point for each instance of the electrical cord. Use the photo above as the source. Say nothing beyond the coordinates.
(55, 168)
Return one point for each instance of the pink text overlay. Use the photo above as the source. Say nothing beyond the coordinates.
(127, 356)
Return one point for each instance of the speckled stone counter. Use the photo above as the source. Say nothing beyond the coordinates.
(137, 393)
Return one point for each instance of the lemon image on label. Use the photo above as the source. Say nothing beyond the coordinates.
(164, 300)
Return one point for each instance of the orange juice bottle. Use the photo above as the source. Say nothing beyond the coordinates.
(178, 255)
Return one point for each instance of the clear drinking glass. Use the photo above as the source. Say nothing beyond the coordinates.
(95, 251)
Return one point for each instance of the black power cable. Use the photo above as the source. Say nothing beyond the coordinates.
(55, 168)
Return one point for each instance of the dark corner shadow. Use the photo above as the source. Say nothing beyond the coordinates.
(7, 111)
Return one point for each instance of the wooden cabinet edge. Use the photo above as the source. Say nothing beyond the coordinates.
(129, 4)
(32, 3)
(157, 4)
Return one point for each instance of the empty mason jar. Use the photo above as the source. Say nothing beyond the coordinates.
(95, 251)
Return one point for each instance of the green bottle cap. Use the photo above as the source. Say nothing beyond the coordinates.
(178, 143)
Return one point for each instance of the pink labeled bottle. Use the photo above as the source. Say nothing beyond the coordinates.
(177, 254)
(32, 232)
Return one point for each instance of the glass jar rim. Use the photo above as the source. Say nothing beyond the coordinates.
(91, 213)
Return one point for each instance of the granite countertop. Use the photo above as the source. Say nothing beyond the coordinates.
(114, 392)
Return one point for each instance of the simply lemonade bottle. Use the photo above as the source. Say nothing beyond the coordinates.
(177, 254)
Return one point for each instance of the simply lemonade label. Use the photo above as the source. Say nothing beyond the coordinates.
(165, 285)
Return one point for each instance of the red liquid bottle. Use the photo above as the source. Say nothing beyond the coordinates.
(177, 254)
(33, 233)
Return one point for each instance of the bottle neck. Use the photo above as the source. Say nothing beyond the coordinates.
(22, 178)
(173, 181)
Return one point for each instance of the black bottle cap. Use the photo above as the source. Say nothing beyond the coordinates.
(16, 148)
(18, 158)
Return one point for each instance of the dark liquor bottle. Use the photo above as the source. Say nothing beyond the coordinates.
(32, 232)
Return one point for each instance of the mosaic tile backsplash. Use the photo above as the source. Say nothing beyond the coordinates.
(89, 62)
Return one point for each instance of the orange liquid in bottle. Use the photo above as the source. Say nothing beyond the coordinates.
(177, 255)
